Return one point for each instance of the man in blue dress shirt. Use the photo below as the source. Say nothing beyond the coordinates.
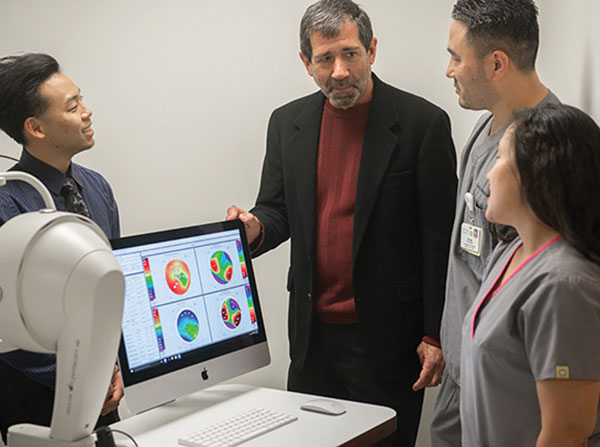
(42, 110)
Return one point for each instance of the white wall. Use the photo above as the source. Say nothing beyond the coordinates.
(182, 90)
(570, 58)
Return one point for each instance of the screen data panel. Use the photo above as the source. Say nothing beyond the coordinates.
(190, 296)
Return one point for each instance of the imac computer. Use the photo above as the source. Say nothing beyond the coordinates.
(191, 316)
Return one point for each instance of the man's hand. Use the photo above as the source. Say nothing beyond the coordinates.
(433, 366)
(114, 394)
(251, 222)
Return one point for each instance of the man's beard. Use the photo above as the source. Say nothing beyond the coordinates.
(348, 98)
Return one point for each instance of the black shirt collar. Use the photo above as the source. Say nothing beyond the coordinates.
(51, 177)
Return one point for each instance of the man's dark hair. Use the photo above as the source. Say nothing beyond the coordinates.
(557, 154)
(507, 25)
(327, 17)
(20, 97)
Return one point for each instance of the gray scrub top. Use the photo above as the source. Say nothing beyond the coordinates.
(542, 323)
(465, 270)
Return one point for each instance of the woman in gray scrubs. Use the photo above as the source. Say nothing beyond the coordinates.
(531, 341)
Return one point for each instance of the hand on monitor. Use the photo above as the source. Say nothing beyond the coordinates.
(114, 394)
(251, 222)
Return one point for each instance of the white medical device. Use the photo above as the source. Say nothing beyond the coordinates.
(61, 290)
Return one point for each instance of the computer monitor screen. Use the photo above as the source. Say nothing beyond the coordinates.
(191, 316)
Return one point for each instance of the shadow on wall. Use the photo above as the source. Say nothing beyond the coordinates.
(590, 92)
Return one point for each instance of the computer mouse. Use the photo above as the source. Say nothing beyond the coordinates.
(324, 406)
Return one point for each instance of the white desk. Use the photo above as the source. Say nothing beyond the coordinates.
(361, 425)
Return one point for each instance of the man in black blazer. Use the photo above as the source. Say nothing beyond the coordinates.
(361, 177)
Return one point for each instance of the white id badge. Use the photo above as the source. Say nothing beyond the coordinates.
(470, 239)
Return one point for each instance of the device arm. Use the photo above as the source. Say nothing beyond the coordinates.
(88, 344)
(61, 290)
(27, 178)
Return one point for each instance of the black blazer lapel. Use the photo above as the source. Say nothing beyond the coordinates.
(303, 148)
(378, 147)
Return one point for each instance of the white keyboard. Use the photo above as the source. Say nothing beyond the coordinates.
(237, 429)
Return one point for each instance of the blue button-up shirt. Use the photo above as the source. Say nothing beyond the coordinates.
(18, 197)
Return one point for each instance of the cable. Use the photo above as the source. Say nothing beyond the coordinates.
(128, 435)
(8, 157)
(105, 438)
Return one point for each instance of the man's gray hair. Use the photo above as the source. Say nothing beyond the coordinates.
(327, 17)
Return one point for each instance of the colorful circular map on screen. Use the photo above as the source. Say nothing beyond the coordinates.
(178, 276)
(221, 267)
(187, 325)
(231, 313)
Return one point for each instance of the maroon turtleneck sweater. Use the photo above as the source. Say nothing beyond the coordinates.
(340, 148)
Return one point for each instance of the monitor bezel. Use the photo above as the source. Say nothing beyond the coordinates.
(206, 353)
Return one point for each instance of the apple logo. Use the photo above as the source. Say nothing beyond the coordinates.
(204, 374)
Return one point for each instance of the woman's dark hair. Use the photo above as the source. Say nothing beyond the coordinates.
(20, 97)
(557, 153)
